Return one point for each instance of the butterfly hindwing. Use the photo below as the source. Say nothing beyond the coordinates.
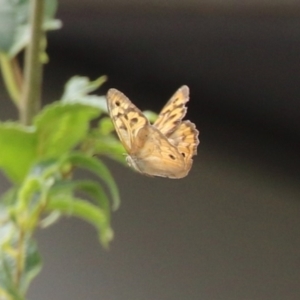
(159, 157)
(185, 139)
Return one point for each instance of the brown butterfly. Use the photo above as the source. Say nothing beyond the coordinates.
(164, 148)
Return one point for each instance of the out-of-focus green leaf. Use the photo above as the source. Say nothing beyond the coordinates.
(86, 211)
(111, 147)
(45, 168)
(102, 142)
(150, 115)
(9, 197)
(17, 150)
(50, 219)
(14, 24)
(91, 188)
(61, 126)
(77, 90)
(8, 289)
(8, 237)
(105, 126)
(50, 9)
(9, 253)
(7, 228)
(31, 186)
(8, 24)
(22, 35)
(31, 195)
(97, 167)
(33, 264)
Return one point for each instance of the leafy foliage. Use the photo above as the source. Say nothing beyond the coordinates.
(39, 160)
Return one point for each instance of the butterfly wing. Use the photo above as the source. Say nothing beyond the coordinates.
(173, 112)
(182, 134)
(127, 119)
(185, 139)
(158, 157)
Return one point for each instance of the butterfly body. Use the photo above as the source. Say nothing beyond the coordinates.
(164, 148)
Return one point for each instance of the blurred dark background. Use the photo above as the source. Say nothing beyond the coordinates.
(231, 229)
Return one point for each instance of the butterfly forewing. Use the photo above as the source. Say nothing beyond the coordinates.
(173, 112)
(127, 118)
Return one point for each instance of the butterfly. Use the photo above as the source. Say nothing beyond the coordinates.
(164, 148)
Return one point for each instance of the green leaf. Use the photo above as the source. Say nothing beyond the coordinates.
(9, 197)
(150, 115)
(33, 194)
(8, 24)
(10, 252)
(7, 285)
(86, 211)
(31, 187)
(111, 147)
(50, 9)
(17, 150)
(14, 24)
(100, 141)
(33, 264)
(91, 188)
(60, 127)
(77, 90)
(22, 35)
(50, 219)
(44, 169)
(8, 236)
(97, 167)
(105, 126)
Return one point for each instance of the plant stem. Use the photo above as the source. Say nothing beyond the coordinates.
(30, 101)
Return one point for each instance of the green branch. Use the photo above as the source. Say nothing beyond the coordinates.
(30, 101)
